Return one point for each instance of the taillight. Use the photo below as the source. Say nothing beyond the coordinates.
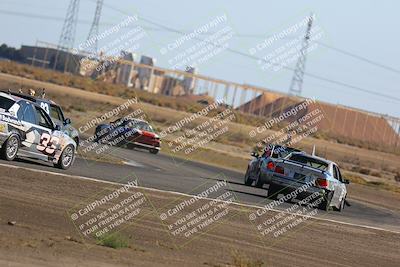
(279, 169)
(270, 166)
(322, 182)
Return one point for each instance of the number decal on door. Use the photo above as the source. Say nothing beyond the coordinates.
(47, 143)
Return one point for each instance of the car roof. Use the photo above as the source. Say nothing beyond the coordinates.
(6, 95)
(132, 119)
(19, 96)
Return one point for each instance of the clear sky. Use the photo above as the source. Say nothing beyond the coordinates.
(366, 28)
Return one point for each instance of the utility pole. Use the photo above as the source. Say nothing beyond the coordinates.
(68, 31)
(296, 85)
(67, 37)
(94, 29)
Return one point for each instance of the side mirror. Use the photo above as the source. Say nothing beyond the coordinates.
(254, 154)
(57, 127)
(346, 181)
(67, 121)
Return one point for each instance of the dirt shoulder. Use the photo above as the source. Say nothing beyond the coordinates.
(45, 235)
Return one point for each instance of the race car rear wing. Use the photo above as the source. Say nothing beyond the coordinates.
(303, 166)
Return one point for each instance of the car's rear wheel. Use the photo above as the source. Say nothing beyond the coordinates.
(247, 180)
(130, 145)
(326, 201)
(10, 148)
(342, 204)
(272, 192)
(67, 158)
(259, 183)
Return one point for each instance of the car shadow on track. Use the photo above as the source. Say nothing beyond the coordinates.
(248, 194)
(221, 180)
(34, 162)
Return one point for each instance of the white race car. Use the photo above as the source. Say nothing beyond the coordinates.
(26, 130)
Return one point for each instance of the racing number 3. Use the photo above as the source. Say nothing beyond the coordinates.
(47, 143)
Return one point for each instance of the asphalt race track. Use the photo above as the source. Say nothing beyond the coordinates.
(167, 173)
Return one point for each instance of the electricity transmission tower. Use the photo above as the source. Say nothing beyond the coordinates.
(94, 29)
(296, 85)
(68, 31)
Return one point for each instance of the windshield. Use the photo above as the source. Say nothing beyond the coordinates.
(141, 125)
(6, 103)
(279, 151)
(312, 162)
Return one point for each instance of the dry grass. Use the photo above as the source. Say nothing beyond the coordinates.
(241, 260)
(176, 103)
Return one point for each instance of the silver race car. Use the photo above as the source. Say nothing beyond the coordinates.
(26, 130)
(313, 175)
(55, 112)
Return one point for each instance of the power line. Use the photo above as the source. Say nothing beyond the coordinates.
(168, 29)
(315, 76)
(360, 58)
(239, 35)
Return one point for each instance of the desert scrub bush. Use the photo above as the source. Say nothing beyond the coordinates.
(79, 108)
(397, 177)
(365, 171)
(113, 241)
(354, 178)
(376, 174)
(241, 260)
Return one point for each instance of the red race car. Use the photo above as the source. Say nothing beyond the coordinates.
(130, 132)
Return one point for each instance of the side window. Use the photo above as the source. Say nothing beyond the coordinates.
(339, 174)
(335, 172)
(42, 120)
(26, 112)
(20, 113)
(6, 103)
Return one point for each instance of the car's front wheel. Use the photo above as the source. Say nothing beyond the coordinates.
(153, 151)
(67, 158)
(10, 148)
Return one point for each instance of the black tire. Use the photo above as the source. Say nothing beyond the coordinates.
(272, 192)
(153, 151)
(326, 201)
(67, 158)
(342, 204)
(130, 145)
(247, 181)
(10, 148)
(259, 183)
(76, 139)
